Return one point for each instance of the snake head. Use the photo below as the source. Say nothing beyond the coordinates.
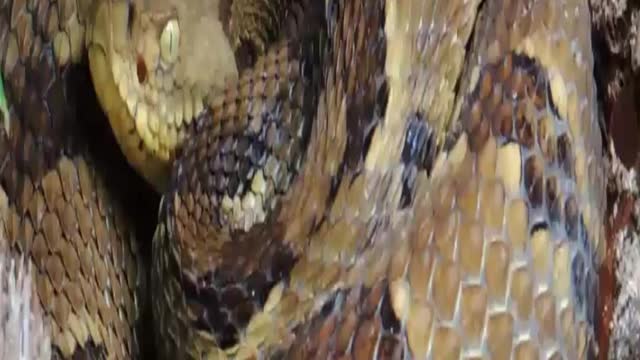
(153, 63)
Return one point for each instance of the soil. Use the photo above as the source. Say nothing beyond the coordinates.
(615, 34)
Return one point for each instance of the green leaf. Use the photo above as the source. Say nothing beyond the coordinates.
(3, 106)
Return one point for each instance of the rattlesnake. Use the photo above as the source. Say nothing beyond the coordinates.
(398, 179)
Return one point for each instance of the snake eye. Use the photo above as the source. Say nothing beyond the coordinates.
(169, 41)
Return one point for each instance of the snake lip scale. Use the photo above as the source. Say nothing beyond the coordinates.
(338, 178)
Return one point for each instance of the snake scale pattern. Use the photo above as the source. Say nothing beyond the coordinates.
(339, 179)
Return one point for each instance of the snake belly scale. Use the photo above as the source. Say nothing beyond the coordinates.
(403, 179)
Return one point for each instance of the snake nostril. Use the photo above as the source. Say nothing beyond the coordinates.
(141, 70)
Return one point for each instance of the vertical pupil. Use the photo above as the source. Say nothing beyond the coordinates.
(169, 38)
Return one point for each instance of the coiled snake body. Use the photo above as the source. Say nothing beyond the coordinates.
(353, 179)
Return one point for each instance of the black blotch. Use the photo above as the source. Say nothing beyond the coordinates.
(388, 317)
(228, 336)
(382, 98)
(204, 295)
(527, 64)
(418, 154)
(243, 313)
(282, 263)
(211, 313)
(329, 306)
(224, 275)
(245, 54)
(89, 351)
(257, 153)
(233, 295)
(224, 300)
(408, 183)
(257, 287)
(578, 277)
(542, 225)
(419, 143)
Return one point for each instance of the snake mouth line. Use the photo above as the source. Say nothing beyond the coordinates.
(148, 107)
(149, 118)
(157, 109)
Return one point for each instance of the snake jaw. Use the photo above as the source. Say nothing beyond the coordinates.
(150, 102)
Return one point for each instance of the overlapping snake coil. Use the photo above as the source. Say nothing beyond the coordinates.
(339, 179)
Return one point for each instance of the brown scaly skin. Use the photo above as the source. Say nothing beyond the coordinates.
(62, 211)
(60, 208)
(444, 192)
(331, 211)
